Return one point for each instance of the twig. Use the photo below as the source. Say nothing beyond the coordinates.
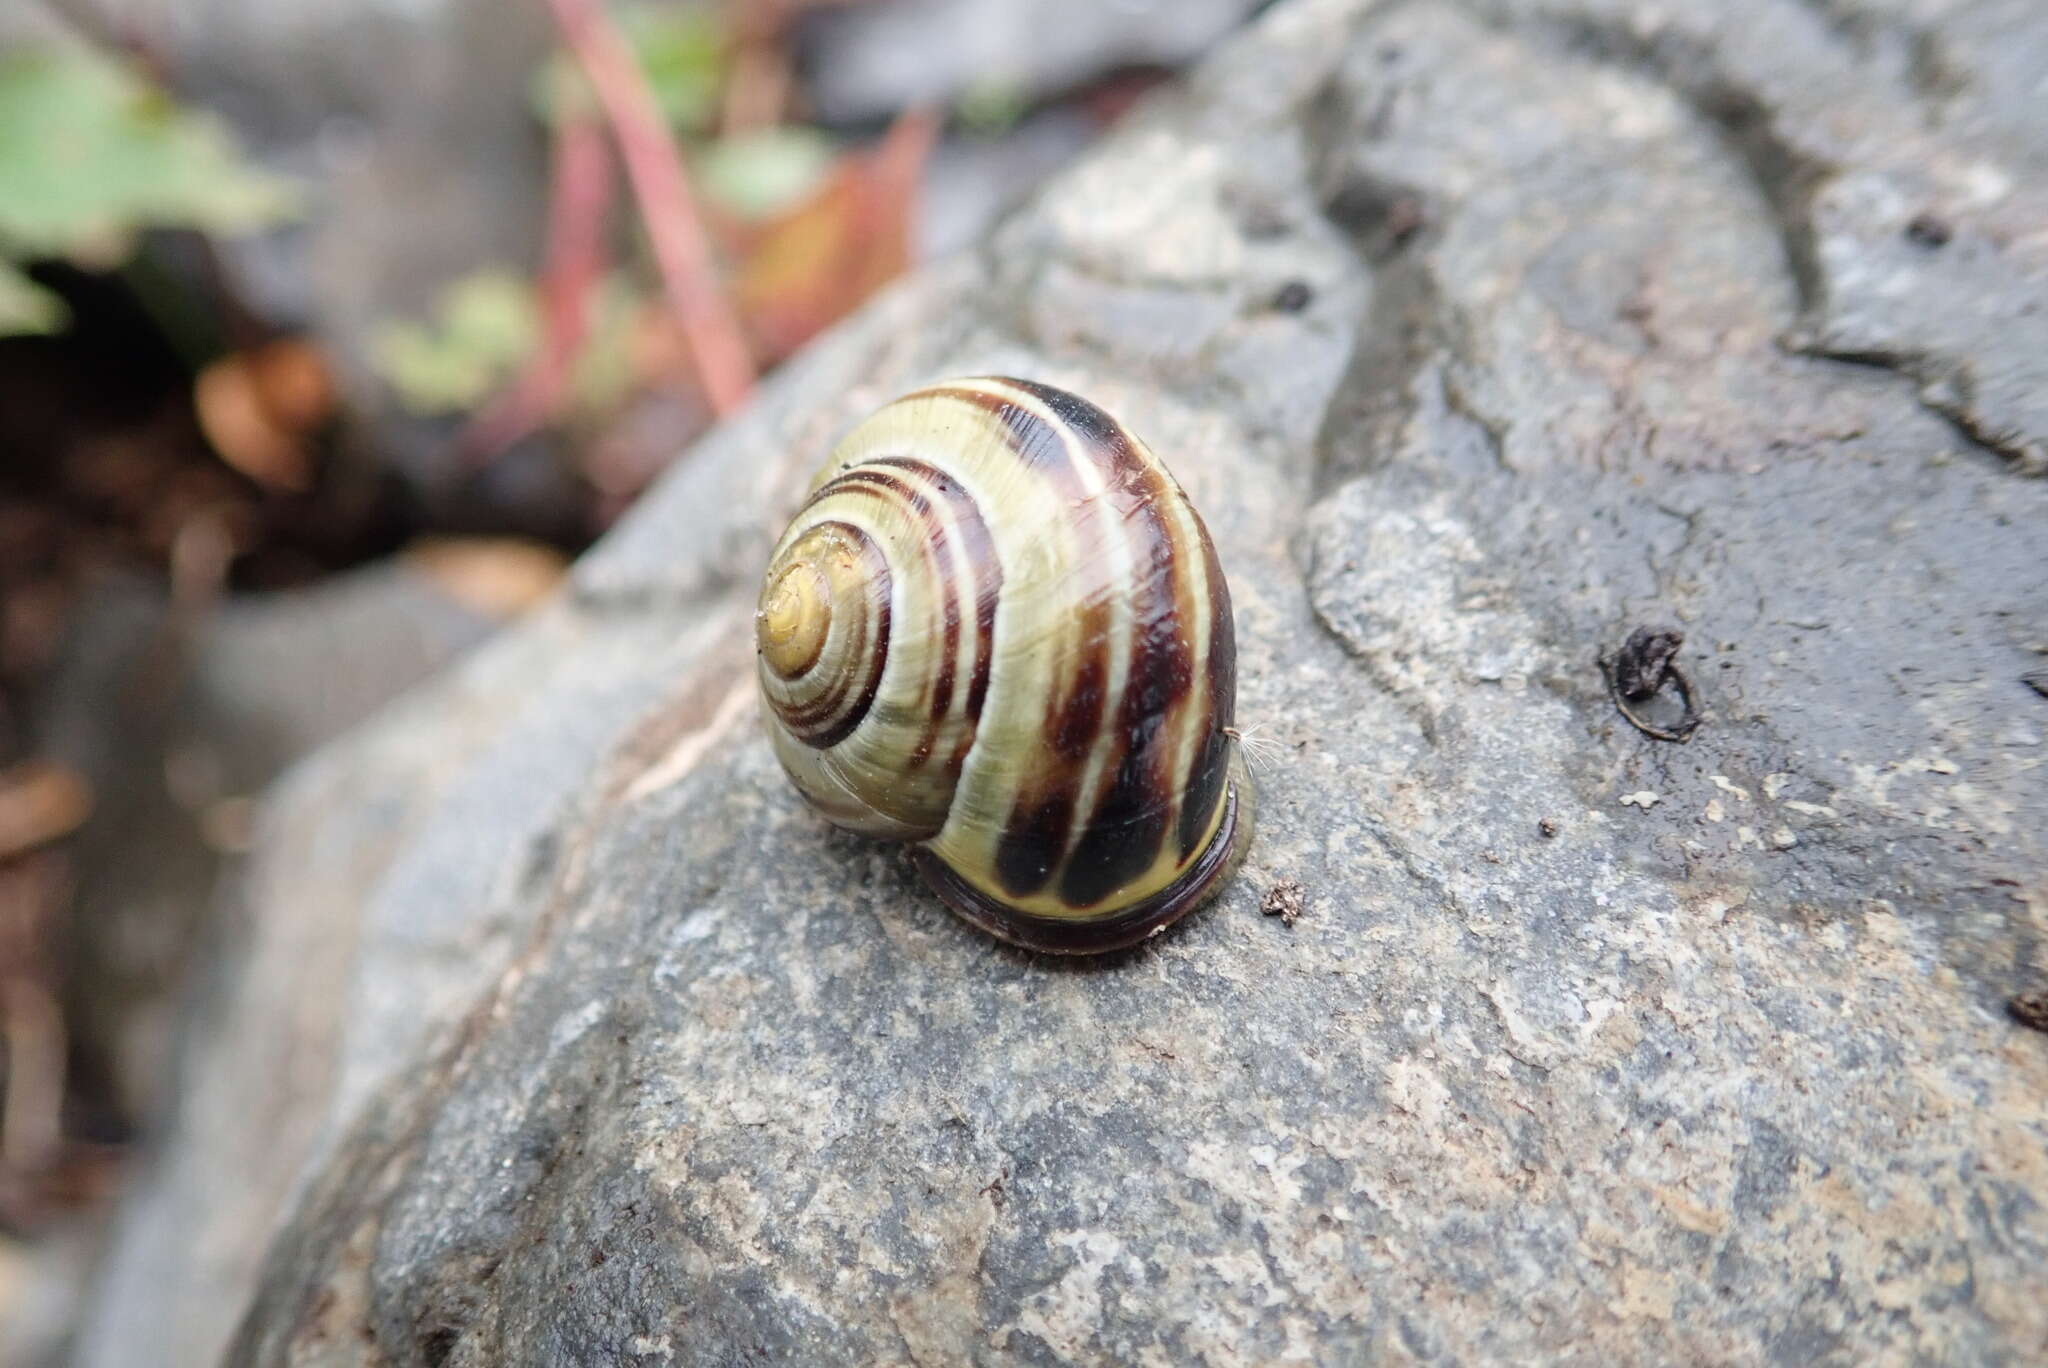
(580, 194)
(654, 166)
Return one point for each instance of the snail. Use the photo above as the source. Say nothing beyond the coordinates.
(997, 630)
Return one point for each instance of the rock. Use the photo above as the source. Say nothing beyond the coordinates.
(868, 61)
(559, 1032)
(178, 725)
(970, 182)
(178, 718)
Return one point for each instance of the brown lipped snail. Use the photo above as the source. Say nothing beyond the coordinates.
(997, 629)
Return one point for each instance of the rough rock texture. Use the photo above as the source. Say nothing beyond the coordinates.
(1482, 333)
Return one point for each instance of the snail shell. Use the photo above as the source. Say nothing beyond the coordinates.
(998, 629)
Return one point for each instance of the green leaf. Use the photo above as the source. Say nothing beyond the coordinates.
(26, 307)
(992, 107)
(758, 175)
(680, 48)
(604, 371)
(486, 327)
(90, 154)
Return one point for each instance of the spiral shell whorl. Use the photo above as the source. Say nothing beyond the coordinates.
(998, 628)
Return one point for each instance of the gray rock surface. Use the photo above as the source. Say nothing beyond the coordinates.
(870, 60)
(177, 721)
(971, 183)
(558, 1032)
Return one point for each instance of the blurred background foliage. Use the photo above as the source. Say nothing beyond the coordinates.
(92, 155)
(329, 331)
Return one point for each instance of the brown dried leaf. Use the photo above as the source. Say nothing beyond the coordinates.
(816, 264)
(260, 409)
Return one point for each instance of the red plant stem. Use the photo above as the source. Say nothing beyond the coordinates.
(579, 197)
(654, 166)
(576, 248)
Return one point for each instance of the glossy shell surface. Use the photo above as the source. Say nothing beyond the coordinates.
(998, 629)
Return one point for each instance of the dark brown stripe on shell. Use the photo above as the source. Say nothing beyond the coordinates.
(1039, 829)
(1102, 437)
(1037, 443)
(1124, 835)
(979, 548)
(1122, 838)
(1033, 839)
(982, 548)
(1212, 761)
(892, 487)
(1060, 936)
(1074, 722)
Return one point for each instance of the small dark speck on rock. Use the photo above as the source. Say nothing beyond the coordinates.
(2030, 1009)
(1286, 900)
(1262, 222)
(1294, 296)
(1383, 216)
(2037, 681)
(1548, 826)
(1929, 230)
